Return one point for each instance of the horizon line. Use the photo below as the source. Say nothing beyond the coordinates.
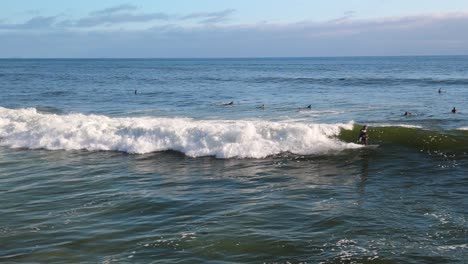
(227, 57)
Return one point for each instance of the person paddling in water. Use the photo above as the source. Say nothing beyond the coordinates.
(363, 137)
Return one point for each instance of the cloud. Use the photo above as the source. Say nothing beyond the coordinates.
(115, 9)
(113, 19)
(120, 14)
(38, 22)
(125, 13)
(117, 15)
(210, 17)
(346, 16)
(427, 34)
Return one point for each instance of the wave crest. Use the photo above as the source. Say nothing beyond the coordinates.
(26, 128)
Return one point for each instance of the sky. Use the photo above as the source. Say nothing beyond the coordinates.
(237, 28)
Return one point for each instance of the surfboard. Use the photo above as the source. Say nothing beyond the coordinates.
(374, 146)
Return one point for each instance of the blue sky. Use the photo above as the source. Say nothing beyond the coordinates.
(241, 28)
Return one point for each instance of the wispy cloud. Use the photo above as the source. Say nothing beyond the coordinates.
(115, 9)
(346, 16)
(115, 16)
(125, 13)
(118, 18)
(210, 17)
(38, 22)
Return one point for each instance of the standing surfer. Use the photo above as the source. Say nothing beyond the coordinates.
(363, 137)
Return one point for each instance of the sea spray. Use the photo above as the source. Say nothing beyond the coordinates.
(26, 128)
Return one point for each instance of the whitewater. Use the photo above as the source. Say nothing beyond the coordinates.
(26, 128)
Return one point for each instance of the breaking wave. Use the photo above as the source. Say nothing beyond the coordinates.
(28, 128)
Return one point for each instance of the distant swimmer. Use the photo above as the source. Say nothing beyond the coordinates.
(230, 103)
(440, 90)
(454, 110)
(363, 137)
(262, 106)
(307, 107)
(407, 114)
(136, 91)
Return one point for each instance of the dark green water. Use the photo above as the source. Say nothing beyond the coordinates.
(354, 207)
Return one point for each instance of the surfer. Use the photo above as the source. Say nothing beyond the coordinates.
(305, 108)
(262, 106)
(454, 110)
(230, 103)
(407, 114)
(440, 90)
(363, 137)
(136, 91)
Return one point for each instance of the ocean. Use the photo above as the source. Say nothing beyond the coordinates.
(234, 160)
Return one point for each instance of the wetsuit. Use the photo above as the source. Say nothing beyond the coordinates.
(363, 136)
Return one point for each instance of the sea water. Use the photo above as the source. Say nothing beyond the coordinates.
(145, 160)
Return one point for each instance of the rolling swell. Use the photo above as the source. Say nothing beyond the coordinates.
(455, 141)
(341, 81)
(363, 81)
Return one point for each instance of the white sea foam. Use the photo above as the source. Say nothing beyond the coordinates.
(396, 125)
(26, 128)
(462, 128)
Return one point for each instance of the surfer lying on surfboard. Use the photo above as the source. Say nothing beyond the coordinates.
(363, 137)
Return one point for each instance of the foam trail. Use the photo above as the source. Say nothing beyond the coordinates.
(26, 128)
(396, 125)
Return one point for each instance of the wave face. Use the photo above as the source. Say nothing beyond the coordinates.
(27, 128)
(413, 137)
